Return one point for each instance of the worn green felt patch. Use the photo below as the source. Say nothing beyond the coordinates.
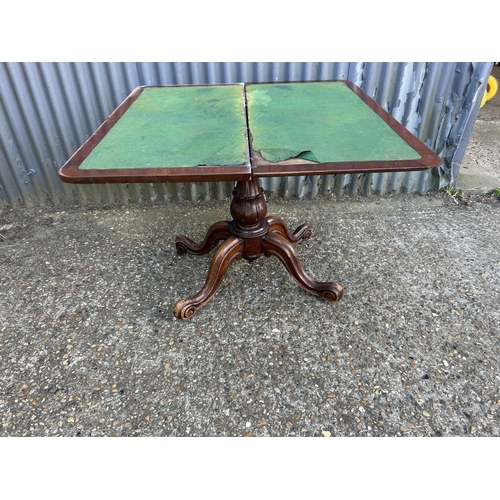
(170, 127)
(319, 121)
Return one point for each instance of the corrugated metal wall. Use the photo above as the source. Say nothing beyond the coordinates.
(47, 110)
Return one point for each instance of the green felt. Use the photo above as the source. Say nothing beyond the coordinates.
(176, 127)
(324, 122)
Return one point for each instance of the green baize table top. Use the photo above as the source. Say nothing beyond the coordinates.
(191, 126)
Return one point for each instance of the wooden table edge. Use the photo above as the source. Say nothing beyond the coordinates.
(73, 175)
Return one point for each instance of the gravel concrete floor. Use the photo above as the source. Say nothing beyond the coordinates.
(89, 345)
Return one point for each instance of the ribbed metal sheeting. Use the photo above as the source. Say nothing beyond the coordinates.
(47, 110)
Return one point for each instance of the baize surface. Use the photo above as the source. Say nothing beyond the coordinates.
(191, 126)
(172, 127)
(319, 121)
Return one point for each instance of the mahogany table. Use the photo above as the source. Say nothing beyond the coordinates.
(241, 132)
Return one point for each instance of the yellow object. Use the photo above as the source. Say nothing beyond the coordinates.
(491, 89)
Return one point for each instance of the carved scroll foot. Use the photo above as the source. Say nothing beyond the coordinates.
(274, 243)
(230, 250)
(302, 233)
(217, 232)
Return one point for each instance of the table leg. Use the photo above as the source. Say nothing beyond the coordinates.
(230, 250)
(302, 233)
(217, 232)
(277, 245)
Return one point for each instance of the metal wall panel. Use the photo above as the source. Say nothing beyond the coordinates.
(47, 110)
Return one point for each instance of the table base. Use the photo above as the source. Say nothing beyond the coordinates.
(249, 235)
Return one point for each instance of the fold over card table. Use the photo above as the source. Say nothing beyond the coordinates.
(241, 132)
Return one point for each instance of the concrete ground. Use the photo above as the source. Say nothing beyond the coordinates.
(89, 345)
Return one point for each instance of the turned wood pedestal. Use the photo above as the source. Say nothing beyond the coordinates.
(249, 235)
